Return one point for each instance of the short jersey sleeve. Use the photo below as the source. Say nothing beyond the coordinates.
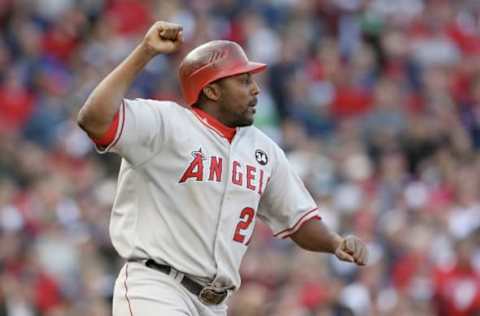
(141, 131)
(286, 204)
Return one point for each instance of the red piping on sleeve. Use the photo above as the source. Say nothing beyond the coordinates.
(109, 135)
(123, 125)
(289, 231)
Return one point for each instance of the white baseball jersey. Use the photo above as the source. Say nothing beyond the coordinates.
(189, 198)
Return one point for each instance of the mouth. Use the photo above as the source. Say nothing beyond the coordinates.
(252, 106)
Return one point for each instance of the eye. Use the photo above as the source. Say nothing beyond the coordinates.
(247, 79)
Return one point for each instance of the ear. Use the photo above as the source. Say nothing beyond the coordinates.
(212, 91)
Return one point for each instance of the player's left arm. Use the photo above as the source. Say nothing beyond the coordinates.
(289, 210)
(316, 236)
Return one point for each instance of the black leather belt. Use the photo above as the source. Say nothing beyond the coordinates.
(209, 294)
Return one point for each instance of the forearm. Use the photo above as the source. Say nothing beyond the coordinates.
(316, 236)
(97, 113)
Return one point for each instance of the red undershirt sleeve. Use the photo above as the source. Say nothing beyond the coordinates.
(109, 135)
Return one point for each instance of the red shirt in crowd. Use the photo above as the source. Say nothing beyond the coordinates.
(457, 291)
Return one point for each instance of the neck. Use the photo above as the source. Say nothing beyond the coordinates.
(213, 110)
(213, 123)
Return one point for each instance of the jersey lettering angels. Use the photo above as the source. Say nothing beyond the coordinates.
(190, 189)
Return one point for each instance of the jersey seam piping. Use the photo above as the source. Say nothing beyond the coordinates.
(126, 290)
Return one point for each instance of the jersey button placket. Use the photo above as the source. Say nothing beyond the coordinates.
(220, 237)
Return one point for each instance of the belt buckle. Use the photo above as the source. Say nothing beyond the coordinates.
(210, 295)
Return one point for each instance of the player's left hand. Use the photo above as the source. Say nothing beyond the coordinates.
(352, 249)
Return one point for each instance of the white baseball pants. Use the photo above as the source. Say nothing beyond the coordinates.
(142, 291)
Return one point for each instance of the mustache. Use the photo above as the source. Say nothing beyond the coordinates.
(253, 102)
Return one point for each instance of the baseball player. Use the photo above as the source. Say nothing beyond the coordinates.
(194, 179)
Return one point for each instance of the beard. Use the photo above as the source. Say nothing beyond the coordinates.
(244, 119)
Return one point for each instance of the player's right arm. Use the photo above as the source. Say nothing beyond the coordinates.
(98, 111)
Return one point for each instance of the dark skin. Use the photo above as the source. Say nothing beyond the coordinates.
(316, 236)
(231, 100)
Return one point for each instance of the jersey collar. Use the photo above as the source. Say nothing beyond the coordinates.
(214, 124)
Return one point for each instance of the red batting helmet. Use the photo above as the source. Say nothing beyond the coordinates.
(212, 61)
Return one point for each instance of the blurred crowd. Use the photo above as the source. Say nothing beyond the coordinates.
(376, 102)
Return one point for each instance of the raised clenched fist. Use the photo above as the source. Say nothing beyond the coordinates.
(352, 249)
(163, 38)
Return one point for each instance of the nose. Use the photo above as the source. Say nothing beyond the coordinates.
(255, 88)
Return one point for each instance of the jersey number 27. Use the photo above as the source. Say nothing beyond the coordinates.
(246, 218)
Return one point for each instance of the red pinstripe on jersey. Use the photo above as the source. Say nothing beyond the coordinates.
(310, 215)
